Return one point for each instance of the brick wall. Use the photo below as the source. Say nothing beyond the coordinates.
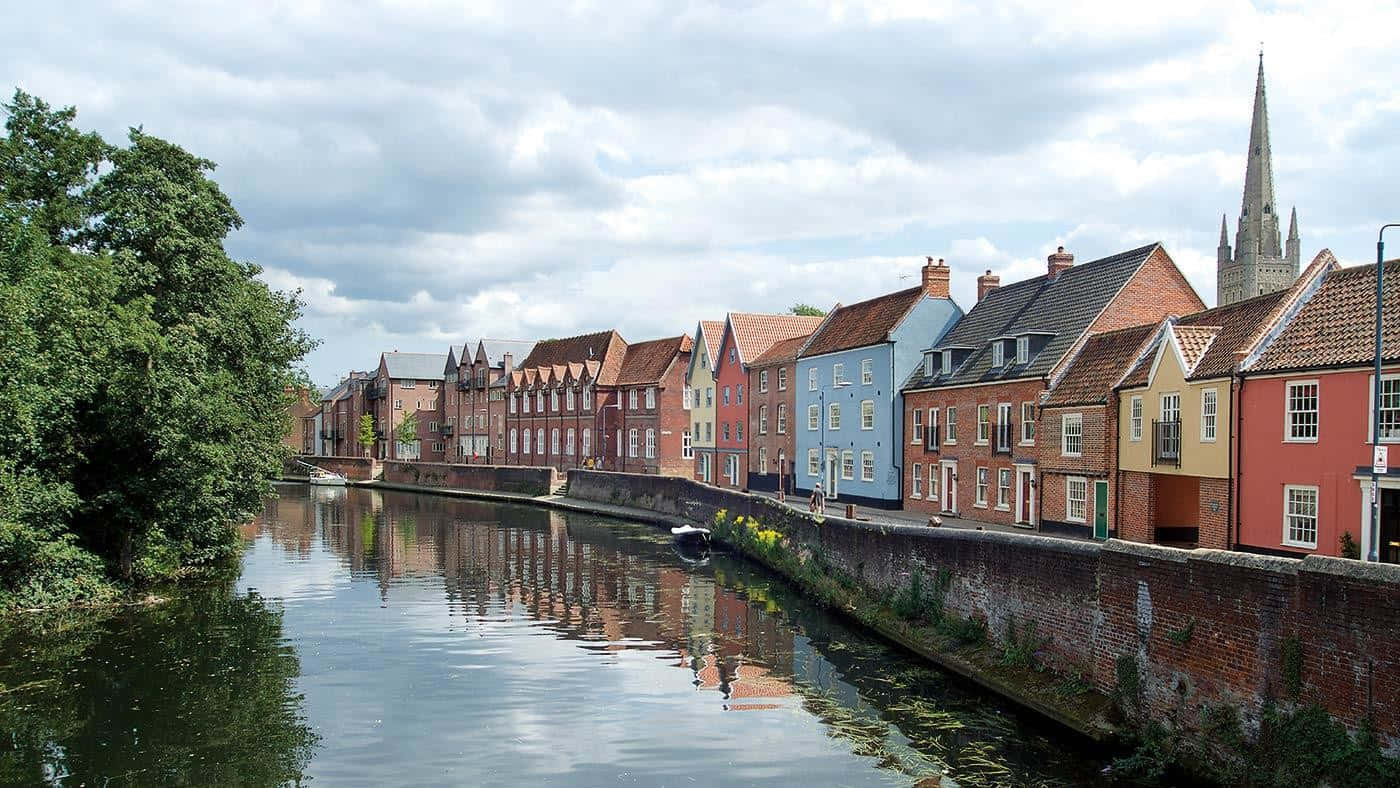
(356, 469)
(1135, 506)
(491, 478)
(1157, 290)
(1100, 608)
(1093, 464)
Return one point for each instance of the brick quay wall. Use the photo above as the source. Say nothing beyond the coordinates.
(1170, 634)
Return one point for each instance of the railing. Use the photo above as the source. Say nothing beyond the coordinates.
(1166, 443)
(330, 435)
(1003, 434)
(464, 385)
(445, 429)
(935, 437)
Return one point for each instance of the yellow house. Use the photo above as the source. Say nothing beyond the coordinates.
(1174, 417)
(700, 397)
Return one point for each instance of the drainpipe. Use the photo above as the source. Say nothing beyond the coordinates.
(896, 442)
(1236, 461)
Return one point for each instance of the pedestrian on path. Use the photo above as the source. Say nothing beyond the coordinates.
(817, 505)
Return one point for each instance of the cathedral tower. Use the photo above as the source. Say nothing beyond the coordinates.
(1260, 263)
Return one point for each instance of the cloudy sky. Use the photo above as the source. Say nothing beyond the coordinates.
(429, 172)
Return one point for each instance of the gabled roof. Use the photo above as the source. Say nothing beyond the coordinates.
(606, 347)
(1061, 309)
(647, 362)
(1209, 341)
(1101, 364)
(754, 333)
(1337, 326)
(496, 349)
(782, 352)
(451, 365)
(861, 324)
(422, 366)
(712, 332)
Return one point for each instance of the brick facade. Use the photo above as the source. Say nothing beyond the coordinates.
(772, 452)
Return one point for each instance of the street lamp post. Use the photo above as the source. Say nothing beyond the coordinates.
(1373, 555)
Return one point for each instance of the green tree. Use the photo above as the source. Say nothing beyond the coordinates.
(806, 310)
(147, 372)
(366, 435)
(407, 430)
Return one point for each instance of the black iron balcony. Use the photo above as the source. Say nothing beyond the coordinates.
(1166, 443)
(1002, 435)
(445, 429)
(375, 392)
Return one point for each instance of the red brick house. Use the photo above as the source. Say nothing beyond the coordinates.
(772, 431)
(341, 409)
(302, 412)
(476, 418)
(746, 336)
(563, 387)
(970, 410)
(1305, 425)
(407, 383)
(654, 424)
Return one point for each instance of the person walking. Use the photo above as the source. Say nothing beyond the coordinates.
(817, 505)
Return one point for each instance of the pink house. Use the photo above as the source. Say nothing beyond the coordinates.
(1303, 483)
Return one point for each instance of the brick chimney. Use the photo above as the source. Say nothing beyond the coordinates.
(507, 362)
(986, 283)
(1058, 262)
(936, 277)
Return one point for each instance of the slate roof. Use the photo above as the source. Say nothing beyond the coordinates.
(1209, 340)
(450, 365)
(341, 390)
(861, 324)
(755, 333)
(1337, 326)
(423, 366)
(606, 347)
(1102, 362)
(647, 362)
(496, 349)
(782, 352)
(1063, 307)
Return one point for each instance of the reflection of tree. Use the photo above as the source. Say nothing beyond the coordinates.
(198, 690)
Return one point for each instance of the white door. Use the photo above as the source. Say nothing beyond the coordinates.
(950, 486)
(1025, 497)
(833, 473)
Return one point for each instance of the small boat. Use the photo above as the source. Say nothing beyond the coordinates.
(690, 531)
(325, 478)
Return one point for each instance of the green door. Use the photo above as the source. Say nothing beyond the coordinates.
(1100, 510)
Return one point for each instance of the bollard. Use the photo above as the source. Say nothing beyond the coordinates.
(850, 511)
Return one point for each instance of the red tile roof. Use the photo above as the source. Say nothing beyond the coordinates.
(1194, 341)
(1229, 328)
(755, 333)
(865, 323)
(1100, 365)
(1337, 326)
(606, 347)
(712, 331)
(782, 352)
(647, 362)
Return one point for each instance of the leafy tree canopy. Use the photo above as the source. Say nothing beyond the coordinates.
(806, 310)
(147, 372)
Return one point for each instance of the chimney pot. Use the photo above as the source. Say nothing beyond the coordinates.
(1058, 262)
(936, 278)
(986, 283)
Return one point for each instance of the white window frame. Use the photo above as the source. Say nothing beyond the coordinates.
(782, 418)
(932, 428)
(838, 373)
(525, 442)
(514, 440)
(833, 416)
(513, 398)
(408, 383)
(539, 441)
(867, 466)
(1210, 414)
(950, 423)
(1135, 418)
(554, 400)
(867, 414)
(569, 436)
(398, 404)
(1023, 350)
(916, 433)
(848, 464)
(1027, 423)
(1082, 500)
(782, 378)
(1289, 514)
(762, 419)
(588, 397)
(649, 445)
(631, 399)
(982, 480)
(1076, 419)
(916, 490)
(554, 440)
(998, 354)
(1386, 378)
(947, 362)
(763, 381)
(539, 401)
(814, 417)
(651, 397)
(812, 379)
(984, 425)
(739, 431)
(867, 371)
(724, 396)
(1004, 491)
(586, 442)
(763, 459)
(1288, 412)
(814, 464)
(632, 438)
(687, 449)
(569, 400)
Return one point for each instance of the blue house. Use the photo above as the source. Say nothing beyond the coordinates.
(849, 410)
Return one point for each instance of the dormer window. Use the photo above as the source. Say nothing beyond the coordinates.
(947, 362)
(998, 354)
(928, 364)
(1023, 349)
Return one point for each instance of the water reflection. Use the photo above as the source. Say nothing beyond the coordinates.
(435, 641)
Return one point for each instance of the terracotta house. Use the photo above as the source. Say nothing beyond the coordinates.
(746, 336)
(772, 431)
(971, 408)
(563, 387)
(407, 383)
(1304, 420)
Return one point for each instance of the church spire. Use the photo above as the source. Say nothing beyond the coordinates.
(1224, 234)
(1293, 225)
(1258, 219)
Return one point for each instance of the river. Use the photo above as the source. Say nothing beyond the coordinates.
(384, 638)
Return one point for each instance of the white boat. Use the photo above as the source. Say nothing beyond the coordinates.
(684, 531)
(325, 478)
